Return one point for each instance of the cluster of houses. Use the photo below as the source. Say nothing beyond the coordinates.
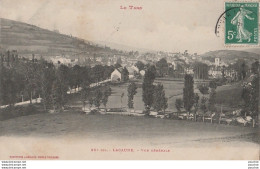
(117, 74)
(57, 60)
(178, 62)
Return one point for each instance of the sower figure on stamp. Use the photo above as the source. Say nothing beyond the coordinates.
(242, 33)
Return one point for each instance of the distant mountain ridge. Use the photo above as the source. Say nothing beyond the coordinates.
(254, 50)
(123, 47)
(229, 56)
(28, 38)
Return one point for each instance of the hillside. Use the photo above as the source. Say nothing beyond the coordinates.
(230, 56)
(29, 39)
(254, 50)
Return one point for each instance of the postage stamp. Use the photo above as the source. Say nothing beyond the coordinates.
(241, 23)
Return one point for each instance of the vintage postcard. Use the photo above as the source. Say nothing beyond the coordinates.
(129, 80)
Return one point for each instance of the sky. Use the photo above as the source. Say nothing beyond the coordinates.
(168, 25)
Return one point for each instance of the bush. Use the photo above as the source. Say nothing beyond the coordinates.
(12, 112)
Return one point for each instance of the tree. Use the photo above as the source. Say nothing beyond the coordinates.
(254, 101)
(204, 89)
(125, 74)
(200, 70)
(188, 93)
(162, 66)
(148, 88)
(85, 92)
(30, 78)
(119, 61)
(212, 100)
(246, 96)
(107, 71)
(171, 72)
(140, 65)
(91, 102)
(213, 84)
(98, 72)
(106, 94)
(250, 95)
(241, 68)
(196, 104)
(9, 85)
(255, 67)
(223, 71)
(98, 97)
(45, 78)
(160, 100)
(212, 95)
(117, 65)
(178, 105)
(59, 89)
(131, 92)
(203, 106)
(76, 75)
(122, 96)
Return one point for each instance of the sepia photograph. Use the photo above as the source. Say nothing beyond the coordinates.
(129, 80)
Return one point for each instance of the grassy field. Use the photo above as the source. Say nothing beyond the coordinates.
(229, 96)
(116, 127)
(173, 90)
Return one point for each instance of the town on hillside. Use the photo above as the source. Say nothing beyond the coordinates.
(55, 85)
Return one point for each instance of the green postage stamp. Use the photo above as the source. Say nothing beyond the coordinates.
(241, 23)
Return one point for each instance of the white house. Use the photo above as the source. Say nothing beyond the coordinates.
(116, 75)
(142, 72)
(63, 60)
(135, 68)
(214, 72)
(174, 64)
(217, 61)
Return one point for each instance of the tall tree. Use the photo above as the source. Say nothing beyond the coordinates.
(148, 88)
(125, 75)
(140, 65)
(254, 101)
(188, 93)
(212, 100)
(200, 70)
(241, 68)
(45, 78)
(196, 103)
(213, 84)
(107, 92)
(98, 98)
(212, 95)
(203, 106)
(162, 67)
(30, 78)
(85, 92)
(132, 87)
(178, 105)
(223, 71)
(59, 90)
(160, 100)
